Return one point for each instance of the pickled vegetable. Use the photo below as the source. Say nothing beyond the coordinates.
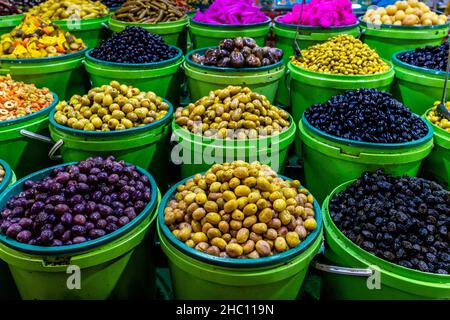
(69, 9)
(150, 11)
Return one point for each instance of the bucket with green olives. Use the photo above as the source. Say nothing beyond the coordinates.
(239, 231)
(240, 62)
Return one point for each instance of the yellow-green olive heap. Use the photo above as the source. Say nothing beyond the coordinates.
(241, 210)
(233, 113)
(436, 118)
(111, 107)
(343, 54)
(69, 9)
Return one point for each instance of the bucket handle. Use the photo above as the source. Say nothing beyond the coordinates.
(356, 272)
(105, 25)
(362, 32)
(39, 137)
(287, 80)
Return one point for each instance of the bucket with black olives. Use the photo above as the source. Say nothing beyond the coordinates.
(89, 217)
(239, 62)
(360, 130)
(387, 238)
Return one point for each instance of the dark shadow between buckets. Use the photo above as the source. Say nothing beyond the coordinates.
(279, 258)
(8, 176)
(17, 187)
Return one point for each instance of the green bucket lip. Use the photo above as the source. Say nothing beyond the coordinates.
(391, 26)
(230, 262)
(224, 69)
(397, 61)
(48, 59)
(177, 127)
(80, 247)
(377, 261)
(221, 25)
(32, 115)
(85, 20)
(134, 65)
(404, 145)
(8, 175)
(312, 28)
(115, 133)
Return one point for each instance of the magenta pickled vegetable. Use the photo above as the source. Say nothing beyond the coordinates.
(231, 12)
(323, 13)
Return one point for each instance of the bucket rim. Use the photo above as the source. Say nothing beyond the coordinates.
(337, 76)
(48, 59)
(177, 127)
(230, 262)
(120, 22)
(391, 26)
(89, 20)
(227, 69)
(312, 28)
(133, 65)
(8, 175)
(371, 145)
(222, 25)
(80, 247)
(116, 133)
(398, 62)
(33, 115)
(358, 250)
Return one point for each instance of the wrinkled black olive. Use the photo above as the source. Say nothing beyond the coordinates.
(227, 44)
(258, 52)
(237, 60)
(225, 62)
(239, 42)
(249, 42)
(265, 62)
(246, 52)
(253, 61)
(277, 53)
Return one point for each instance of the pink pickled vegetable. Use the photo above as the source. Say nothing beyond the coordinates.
(323, 13)
(231, 12)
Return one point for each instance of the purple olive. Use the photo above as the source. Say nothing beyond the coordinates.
(6, 213)
(17, 212)
(111, 227)
(79, 219)
(89, 226)
(113, 178)
(59, 230)
(95, 216)
(92, 179)
(67, 235)
(123, 221)
(101, 224)
(24, 236)
(78, 230)
(112, 219)
(47, 236)
(96, 233)
(13, 230)
(5, 225)
(57, 243)
(79, 208)
(25, 223)
(82, 187)
(60, 209)
(95, 171)
(66, 219)
(62, 177)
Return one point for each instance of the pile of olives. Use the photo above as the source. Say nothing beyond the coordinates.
(241, 210)
(240, 52)
(2, 173)
(436, 118)
(76, 203)
(404, 220)
(233, 113)
(111, 107)
(342, 54)
(405, 13)
(63, 10)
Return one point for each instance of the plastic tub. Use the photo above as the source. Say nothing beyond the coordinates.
(64, 75)
(144, 146)
(174, 33)
(329, 161)
(437, 164)
(91, 31)
(9, 177)
(163, 78)
(200, 276)
(395, 282)
(45, 272)
(307, 36)
(7, 23)
(21, 153)
(309, 87)
(195, 153)
(417, 87)
(205, 35)
(202, 79)
(389, 39)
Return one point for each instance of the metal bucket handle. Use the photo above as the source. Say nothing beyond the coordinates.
(52, 153)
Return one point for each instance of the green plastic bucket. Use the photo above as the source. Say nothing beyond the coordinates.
(389, 39)
(395, 282)
(200, 276)
(195, 153)
(21, 153)
(328, 161)
(308, 88)
(163, 78)
(7, 23)
(91, 31)
(202, 79)
(44, 272)
(145, 146)
(64, 75)
(204, 35)
(174, 33)
(417, 87)
(437, 164)
(307, 36)
(9, 177)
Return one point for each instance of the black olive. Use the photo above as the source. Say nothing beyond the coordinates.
(253, 61)
(249, 42)
(237, 60)
(239, 43)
